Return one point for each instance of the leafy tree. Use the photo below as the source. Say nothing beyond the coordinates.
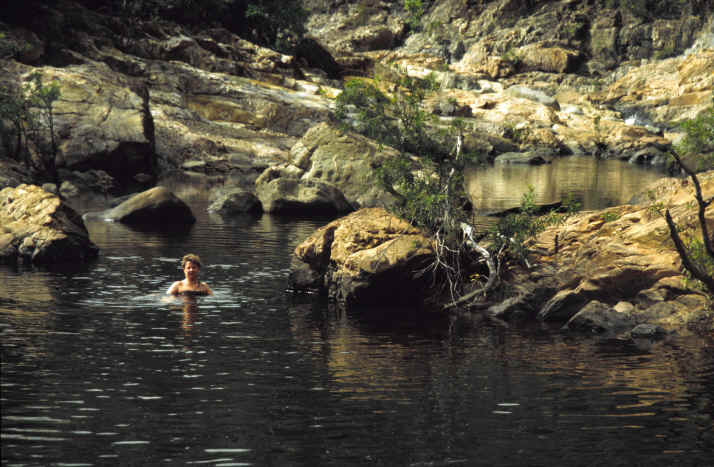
(426, 177)
(29, 111)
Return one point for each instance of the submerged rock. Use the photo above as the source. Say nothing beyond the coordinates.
(36, 226)
(648, 331)
(599, 318)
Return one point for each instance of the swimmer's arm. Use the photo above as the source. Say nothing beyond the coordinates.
(206, 288)
(174, 289)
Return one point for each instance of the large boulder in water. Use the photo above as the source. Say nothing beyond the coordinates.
(367, 257)
(36, 226)
(157, 206)
(346, 160)
(290, 195)
(235, 201)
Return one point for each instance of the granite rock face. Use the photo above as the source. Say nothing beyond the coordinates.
(623, 258)
(37, 227)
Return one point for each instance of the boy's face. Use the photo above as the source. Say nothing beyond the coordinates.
(191, 270)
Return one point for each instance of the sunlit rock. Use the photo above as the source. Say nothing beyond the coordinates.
(369, 256)
(36, 226)
(624, 256)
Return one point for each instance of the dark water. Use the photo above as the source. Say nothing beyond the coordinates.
(97, 369)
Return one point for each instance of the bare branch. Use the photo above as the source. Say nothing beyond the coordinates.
(697, 273)
(492, 269)
(706, 239)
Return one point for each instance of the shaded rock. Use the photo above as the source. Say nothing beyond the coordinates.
(563, 306)
(650, 156)
(366, 257)
(317, 56)
(533, 95)
(157, 206)
(36, 226)
(99, 119)
(289, 195)
(236, 201)
(648, 331)
(68, 189)
(12, 173)
(345, 160)
(538, 210)
(526, 302)
(354, 27)
(530, 158)
(599, 318)
(97, 181)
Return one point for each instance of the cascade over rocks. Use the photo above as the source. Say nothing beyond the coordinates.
(37, 227)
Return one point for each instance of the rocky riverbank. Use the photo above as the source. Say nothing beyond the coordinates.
(142, 100)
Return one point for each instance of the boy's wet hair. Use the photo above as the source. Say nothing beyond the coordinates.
(192, 258)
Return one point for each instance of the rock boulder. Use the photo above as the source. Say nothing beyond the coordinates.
(157, 206)
(367, 257)
(36, 226)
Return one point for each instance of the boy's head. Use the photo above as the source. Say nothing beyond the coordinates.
(192, 258)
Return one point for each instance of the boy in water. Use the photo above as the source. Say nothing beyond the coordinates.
(191, 285)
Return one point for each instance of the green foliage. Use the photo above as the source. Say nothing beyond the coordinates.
(512, 57)
(698, 254)
(699, 138)
(276, 23)
(427, 177)
(370, 107)
(433, 28)
(415, 10)
(572, 204)
(512, 232)
(610, 216)
(29, 110)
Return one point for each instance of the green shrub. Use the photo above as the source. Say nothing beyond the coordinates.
(29, 110)
(610, 216)
(699, 138)
(415, 11)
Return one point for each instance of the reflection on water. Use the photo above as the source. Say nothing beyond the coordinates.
(596, 184)
(100, 367)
